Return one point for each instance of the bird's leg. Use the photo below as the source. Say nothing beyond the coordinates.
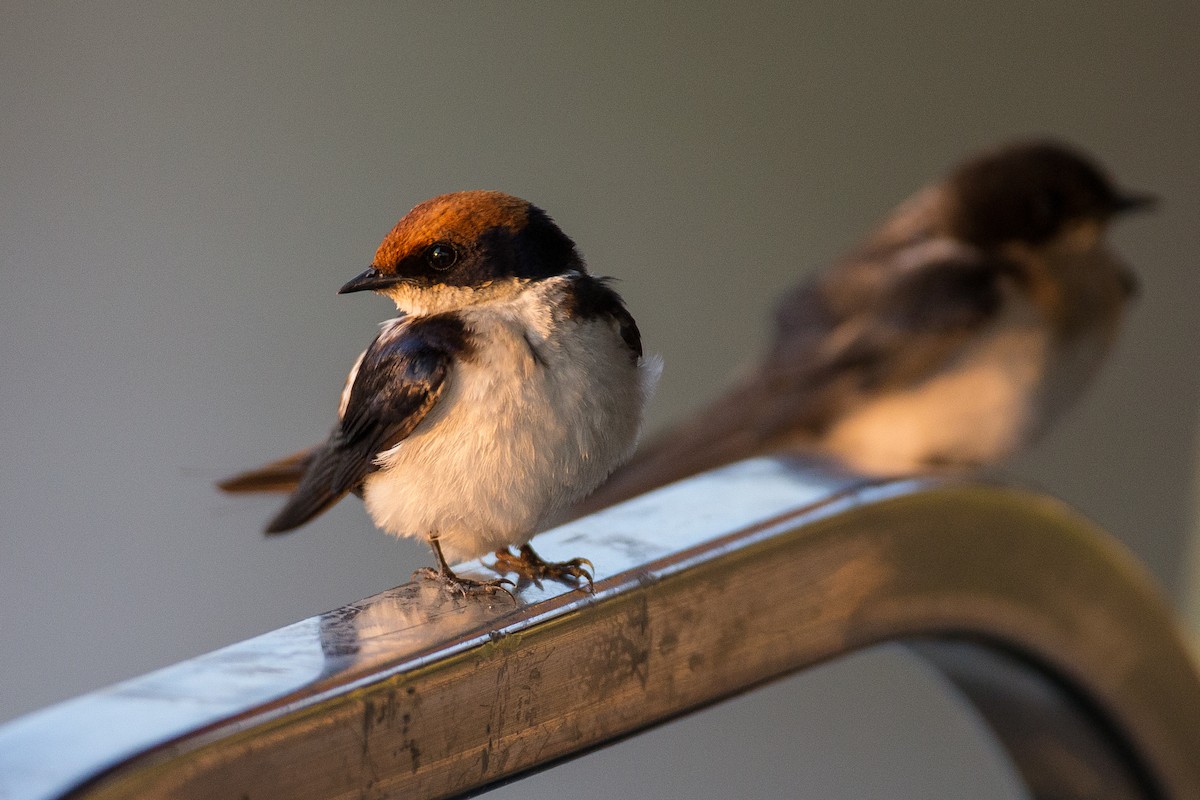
(465, 586)
(533, 567)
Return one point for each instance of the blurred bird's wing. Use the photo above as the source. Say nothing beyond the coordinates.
(884, 320)
(397, 381)
(874, 326)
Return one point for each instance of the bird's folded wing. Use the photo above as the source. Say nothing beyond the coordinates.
(398, 381)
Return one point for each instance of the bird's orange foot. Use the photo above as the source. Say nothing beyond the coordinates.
(465, 586)
(531, 566)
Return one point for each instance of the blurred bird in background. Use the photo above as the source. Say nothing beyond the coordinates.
(509, 387)
(949, 340)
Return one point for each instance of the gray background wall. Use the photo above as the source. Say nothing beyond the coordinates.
(184, 186)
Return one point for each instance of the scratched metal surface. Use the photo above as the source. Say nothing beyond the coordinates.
(1058, 637)
(49, 752)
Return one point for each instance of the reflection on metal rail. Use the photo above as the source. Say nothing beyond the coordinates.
(703, 589)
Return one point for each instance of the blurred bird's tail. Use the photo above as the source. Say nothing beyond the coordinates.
(721, 433)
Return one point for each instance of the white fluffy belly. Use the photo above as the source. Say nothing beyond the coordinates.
(513, 438)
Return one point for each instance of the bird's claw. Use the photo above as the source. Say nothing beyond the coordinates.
(531, 566)
(465, 586)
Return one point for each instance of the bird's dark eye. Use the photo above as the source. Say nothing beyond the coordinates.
(1047, 214)
(440, 256)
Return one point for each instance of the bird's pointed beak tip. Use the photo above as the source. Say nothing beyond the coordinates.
(370, 278)
(1127, 202)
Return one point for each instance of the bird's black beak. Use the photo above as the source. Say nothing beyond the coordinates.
(369, 279)
(1126, 202)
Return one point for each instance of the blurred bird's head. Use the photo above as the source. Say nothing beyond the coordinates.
(1031, 193)
(463, 248)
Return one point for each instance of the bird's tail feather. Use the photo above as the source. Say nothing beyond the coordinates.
(279, 476)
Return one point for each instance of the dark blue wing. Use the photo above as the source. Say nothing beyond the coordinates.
(592, 297)
(398, 381)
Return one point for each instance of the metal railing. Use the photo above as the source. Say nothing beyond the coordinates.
(704, 589)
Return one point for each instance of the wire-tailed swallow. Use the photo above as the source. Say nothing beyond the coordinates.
(510, 386)
(950, 339)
